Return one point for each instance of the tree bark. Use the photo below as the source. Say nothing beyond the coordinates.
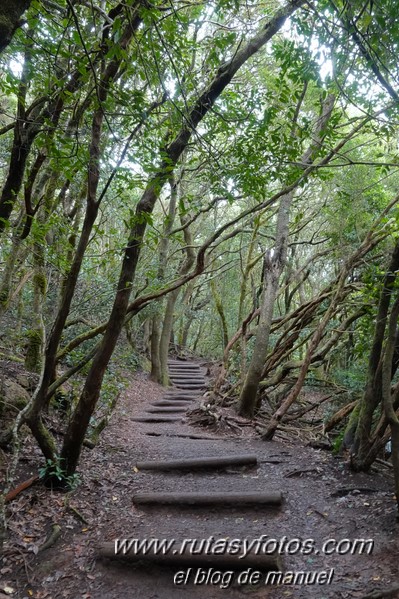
(358, 435)
(274, 265)
(168, 320)
(388, 405)
(11, 12)
(159, 373)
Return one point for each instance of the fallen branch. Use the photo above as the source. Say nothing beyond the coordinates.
(21, 487)
(339, 416)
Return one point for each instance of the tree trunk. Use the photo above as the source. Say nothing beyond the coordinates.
(387, 393)
(13, 261)
(36, 334)
(159, 374)
(167, 328)
(274, 265)
(109, 73)
(373, 392)
(156, 370)
(11, 12)
(273, 269)
(220, 310)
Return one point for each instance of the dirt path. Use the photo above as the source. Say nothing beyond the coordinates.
(318, 505)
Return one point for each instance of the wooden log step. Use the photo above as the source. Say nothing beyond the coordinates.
(188, 362)
(181, 395)
(185, 436)
(180, 392)
(183, 368)
(204, 462)
(181, 555)
(167, 410)
(157, 419)
(171, 404)
(185, 373)
(182, 400)
(273, 498)
(179, 381)
(187, 377)
(189, 383)
(192, 386)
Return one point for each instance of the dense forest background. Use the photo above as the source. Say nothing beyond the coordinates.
(218, 178)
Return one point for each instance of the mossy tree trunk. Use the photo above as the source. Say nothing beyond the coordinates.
(157, 374)
(11, 12)
(274, 263)
(387, 396)
(168, 319)
(13, 261)
(37, 333)
(220, 310)
(273, 267)
(186, 314)
(358, 435)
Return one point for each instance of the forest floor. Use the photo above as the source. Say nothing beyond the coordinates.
(322, 500)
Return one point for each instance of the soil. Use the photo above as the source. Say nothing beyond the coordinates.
(322, 500)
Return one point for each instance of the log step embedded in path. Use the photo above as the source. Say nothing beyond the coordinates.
(188, 383)
(204, 462)
(167, 410)
(171, 403)
(220, 499)
(193, 370)
(182, 555)
(180, 394)
(157, 419)
(186, 378)
(196, 386)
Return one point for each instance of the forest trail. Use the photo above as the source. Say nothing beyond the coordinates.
(322, 501)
